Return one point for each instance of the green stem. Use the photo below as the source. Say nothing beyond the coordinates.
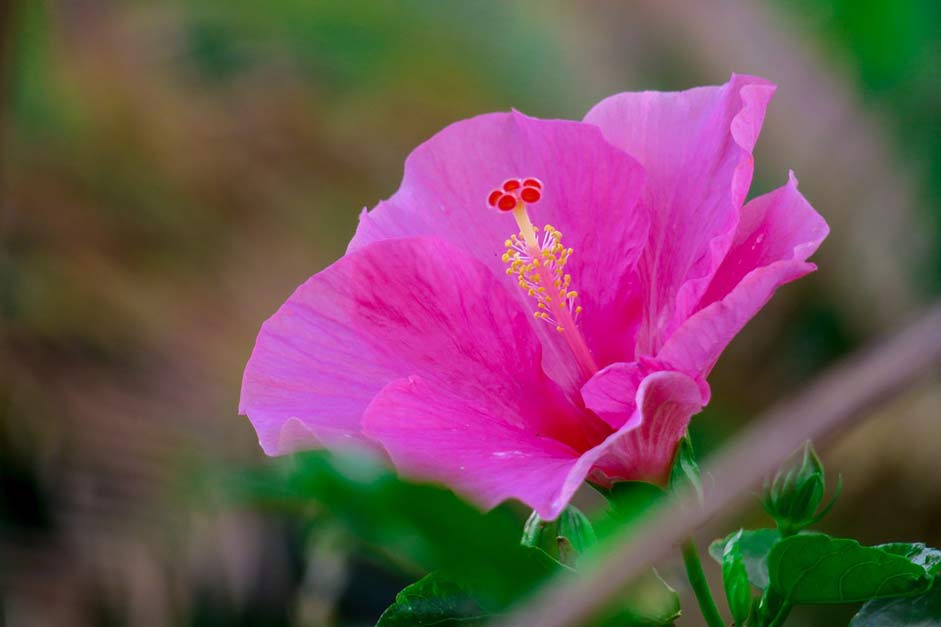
(780, 617)
(697, 579)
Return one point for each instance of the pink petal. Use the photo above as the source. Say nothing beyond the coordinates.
(611, 391)
(776, 235)
(655, 410)
(590, 189)
(433, 434)
(696, 149)
(397, 308)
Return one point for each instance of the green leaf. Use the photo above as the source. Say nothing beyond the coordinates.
(754, 546)
(433, 600)
(818, 569)
(923, 610)
(917, 553)
(685, 470)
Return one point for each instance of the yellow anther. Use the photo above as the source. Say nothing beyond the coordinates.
(537, 262)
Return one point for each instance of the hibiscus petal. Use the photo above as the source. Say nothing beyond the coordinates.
(432, 434)
(777, 233)
(590, 190)
(435, 435)
(653, 409)
(696, 149)
(416, 306)
(611, 393)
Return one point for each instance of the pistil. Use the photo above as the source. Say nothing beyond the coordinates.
(539, 267)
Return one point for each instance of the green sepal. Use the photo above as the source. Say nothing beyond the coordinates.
(685, 470)
(735, 581)
(564, 538)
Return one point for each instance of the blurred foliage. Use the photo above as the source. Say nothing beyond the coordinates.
(478, 558)
(424, 527)
(172, 170)
(893, 49)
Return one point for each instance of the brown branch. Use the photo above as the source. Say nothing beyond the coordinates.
(837, 400)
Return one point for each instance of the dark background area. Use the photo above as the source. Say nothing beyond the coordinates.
(172, 170)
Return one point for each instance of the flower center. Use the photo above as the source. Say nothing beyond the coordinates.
(539, 265)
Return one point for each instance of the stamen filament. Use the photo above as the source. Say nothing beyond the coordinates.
(539, 265)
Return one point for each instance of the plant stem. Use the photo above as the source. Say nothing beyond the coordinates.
(780, 617)
(697, 579)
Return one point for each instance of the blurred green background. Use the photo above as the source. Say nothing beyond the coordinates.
(172, 170)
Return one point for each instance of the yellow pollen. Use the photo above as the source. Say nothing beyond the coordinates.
(538, 261)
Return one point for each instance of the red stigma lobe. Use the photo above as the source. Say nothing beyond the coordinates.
(515, 191)
(507, 202)
(530, 195)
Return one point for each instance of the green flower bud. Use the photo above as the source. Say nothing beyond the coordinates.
(794, 496)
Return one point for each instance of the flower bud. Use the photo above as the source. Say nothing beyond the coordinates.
(795, 495)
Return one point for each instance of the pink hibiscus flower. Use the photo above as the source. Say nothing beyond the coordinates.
(576, 349)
